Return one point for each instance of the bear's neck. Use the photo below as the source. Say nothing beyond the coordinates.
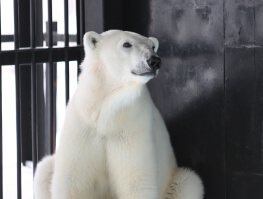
(101, 103)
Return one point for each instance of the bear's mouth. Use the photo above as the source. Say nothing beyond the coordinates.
(148, 73)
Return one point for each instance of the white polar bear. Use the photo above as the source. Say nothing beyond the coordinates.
(114, 143)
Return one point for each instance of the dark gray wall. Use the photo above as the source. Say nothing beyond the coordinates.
(210, 88)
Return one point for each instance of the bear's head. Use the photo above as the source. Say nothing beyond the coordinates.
(126, 56)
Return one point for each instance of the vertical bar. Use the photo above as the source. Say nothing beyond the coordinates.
(66, 23)
(82, 20)
(33, 84)
(32, 24)
(16, 30)
(25, 82)
(33, 112)
(67, 77)
(0, 30)
(78, 29)
(80, 25)
(50, 65)
(66, 50)
(78, 20)
(1, 129)
(1, 148)
(18, 127)
(50, 27)
(54, 105)
(18, 132)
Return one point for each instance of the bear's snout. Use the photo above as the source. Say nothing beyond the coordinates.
(154, 62)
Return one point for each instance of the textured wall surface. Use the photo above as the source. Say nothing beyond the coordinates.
(210, 88)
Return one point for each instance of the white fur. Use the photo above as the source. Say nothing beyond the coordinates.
(114, 143)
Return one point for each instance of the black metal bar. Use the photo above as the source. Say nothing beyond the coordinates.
(18, 130)
(80, 5)
(82, 20)
(59, 37)
(16, 25)
(67, 76)
(33, 112)
(50, 79)
(66, 50)
(7, 38)
(41, 55)
(0, 40)
(54, 106)
(78, 20)
(50, 27)
(40, 96)
(66, 23)
(33, 84)
(32, 24)
(49, 105)
(1, 130)
(25, 82)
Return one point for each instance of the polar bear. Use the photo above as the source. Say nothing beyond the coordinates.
(114, 143)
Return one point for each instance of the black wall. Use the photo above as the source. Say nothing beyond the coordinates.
(210, 88)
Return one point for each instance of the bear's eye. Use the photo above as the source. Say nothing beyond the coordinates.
(127, 45)
(153, 48)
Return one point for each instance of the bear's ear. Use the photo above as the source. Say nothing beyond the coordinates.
(155, 42)
(91, 40)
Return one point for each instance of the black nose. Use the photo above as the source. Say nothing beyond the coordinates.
(154, 62)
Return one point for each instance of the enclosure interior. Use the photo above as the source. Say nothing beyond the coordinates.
(209, 90)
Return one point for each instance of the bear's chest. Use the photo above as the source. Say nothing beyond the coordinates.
(93, 167)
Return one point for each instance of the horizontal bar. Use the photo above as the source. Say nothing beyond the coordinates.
(61, 37)
(7, 38)
(41, 55)
(56, 37)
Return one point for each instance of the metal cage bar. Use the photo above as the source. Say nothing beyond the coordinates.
(33, 55)
(80, 6)
(66, 23)
(50, 27)
(1, 129)
(1, 140)
(78, 21)
(18, 125)
(18, 129)
(41, 55)
(50, 79)
(66, 50)
(33, 84)
(82, 20)
(0, 32)
(32, 24)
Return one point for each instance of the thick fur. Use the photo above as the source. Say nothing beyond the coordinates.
(114, 143)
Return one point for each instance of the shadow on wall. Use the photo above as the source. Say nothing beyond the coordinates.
(190, 98)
